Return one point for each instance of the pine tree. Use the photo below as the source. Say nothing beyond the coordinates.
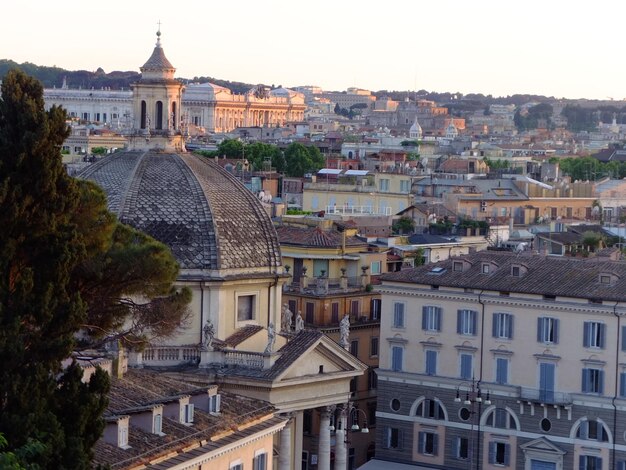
(40, 247)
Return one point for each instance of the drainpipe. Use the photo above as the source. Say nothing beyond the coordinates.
(202, 320)
(480, 375)
(615, 393)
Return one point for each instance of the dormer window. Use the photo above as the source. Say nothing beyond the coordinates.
(607, 278)
(157, 424)
(188, 414)
(515, 271)
(457, 266)
(485, 268)
(122, 434)
(215, 403)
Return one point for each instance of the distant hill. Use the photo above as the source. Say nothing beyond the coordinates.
(116, 80)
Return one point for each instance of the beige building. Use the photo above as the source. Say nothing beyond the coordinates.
(496, 360)
(229, 257)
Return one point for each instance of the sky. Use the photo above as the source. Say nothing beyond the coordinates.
(550, 47)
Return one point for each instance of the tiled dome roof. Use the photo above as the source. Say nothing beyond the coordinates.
(157, 60)
(202, 212)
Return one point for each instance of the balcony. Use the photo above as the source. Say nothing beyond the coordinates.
(325, 286)
(547, 397)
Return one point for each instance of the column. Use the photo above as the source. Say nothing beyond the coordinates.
(341, 451)
(323, 458)
(284, 449)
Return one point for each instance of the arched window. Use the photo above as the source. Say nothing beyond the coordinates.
(173, 125)
(143, 114)
(501, 418)
(592, 430)
(429, 408)
(159, 115)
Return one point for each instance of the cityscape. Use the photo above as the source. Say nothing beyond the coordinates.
(205, 273)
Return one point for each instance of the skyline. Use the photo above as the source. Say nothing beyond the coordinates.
(550, 48)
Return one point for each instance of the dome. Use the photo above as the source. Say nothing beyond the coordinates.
(203, 213)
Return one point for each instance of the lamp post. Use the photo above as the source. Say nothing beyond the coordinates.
(342, 439)
(474, 399)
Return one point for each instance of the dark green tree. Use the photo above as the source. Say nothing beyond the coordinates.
(231, 148)
(300, 159)
(40, 247)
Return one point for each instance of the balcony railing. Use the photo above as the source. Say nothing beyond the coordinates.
(548, 397)
(249, 360)
(168, 356)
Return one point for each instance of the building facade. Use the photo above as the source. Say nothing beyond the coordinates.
(494, 360)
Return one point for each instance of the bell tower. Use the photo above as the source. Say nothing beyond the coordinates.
(157, 98)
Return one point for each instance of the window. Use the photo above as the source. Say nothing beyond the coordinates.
(236, 466)
(605, 279)
(622, 385)
(372, 379)
(502, 370)
(430, 409)
(593, 381)
(122, 434)
(466, 371)
(354, 347)
(375, 267)
(189, 414)
(374, 347)
(383, 184)
(431, 362)
(485, 268)
(260, 462)
(375, 309)
(371, 413)
(398, 315)
(309, 312)
(245, 307)
(501, 418)
(592, 430)
(431, 318)
(393, 438)
(503, 325)
(157, 424)
(589, 462)
(499, 453)
(405, 186)
(548, 330)
(355, 308)
(396, 358)
(466, 322)
(427, 443)
(457, 266)
(215, 403)
(334, 312)
(461, 448)
(320, 265)
(594, 334)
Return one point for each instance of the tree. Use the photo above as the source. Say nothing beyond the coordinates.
(40, 247)
(300, 160)
(404, 225)
(230, 148)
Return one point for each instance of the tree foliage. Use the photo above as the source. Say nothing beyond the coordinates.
(300, 160)
(589, 168)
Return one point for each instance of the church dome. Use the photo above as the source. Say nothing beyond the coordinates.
(204, 214)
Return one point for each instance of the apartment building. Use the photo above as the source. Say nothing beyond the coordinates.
(503, 361)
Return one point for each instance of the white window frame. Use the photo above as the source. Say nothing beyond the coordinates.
(255, 308)
(504, 325)
(215, 403)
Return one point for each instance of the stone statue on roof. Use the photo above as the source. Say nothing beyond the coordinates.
(299, 322)
(287, 315)
(271, 338)
(208, 333)
(344, 332)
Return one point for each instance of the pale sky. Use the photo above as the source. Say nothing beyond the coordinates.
(559, 48)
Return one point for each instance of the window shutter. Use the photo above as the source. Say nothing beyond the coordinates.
(511, 318)
(582, 462)
(438, 319)
(585, 381)
(424, 317)
(621, 465)
(492, 452)
(584, 429)
(602, 335)
(400, 439)
(435, 443)
(601, 380)
(387, 440)
(556, 330)
(456, 447)
(598, 462)
(474, 322)
(507, 454)
(540, 337)
(622, 385)
(624, 349)
(494, 326)
(586, 339)
(459, 321)
(421, 442)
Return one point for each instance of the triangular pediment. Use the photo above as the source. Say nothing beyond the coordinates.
(542, 445)
(333, 360)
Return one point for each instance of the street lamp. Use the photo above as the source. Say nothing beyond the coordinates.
(473, 396)
(341, 433)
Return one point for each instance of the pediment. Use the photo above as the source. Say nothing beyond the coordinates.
(542, 445)
(333, 360)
